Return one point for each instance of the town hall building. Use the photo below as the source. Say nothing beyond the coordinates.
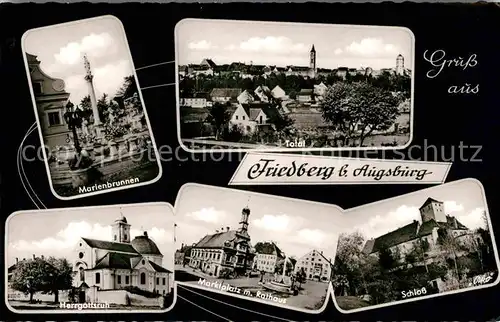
(227, 249)
(120, 263)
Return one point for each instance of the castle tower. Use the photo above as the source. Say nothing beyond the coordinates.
(89, 78)
(400, 65)
(121, 230)
(245, 213)
(312, 58)
(432, 210)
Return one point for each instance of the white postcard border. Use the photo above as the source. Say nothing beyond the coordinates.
(177, 94)
(139, 91)
(76, 311)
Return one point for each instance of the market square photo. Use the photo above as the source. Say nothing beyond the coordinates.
(264, 248)
(92, 259)
(91, 117)
(279, 86)
(429, 243)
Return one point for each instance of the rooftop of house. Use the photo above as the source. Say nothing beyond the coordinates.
(220, 240)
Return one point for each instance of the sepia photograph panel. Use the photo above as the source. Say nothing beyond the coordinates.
(433, 242)
(279, 86)
(92, 121)
(91, 259)
(264, 248)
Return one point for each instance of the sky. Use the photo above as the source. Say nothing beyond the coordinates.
(57, 232)
(60, 50)
(296, 226)
(463, 199)
(282, 44)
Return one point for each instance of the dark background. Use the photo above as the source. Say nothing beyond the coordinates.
(440, 119)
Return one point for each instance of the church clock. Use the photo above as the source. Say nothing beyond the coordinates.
(58, 85)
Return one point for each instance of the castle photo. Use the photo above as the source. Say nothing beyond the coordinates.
(105, 255)
(266, 247)
(89, 109)
(440, 241)
(266, 84)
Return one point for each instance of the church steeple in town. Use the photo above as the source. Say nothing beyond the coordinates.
(121, 230)
(312, 62)
(245, 213)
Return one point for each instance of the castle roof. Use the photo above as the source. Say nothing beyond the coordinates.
(409, 232)
(428, 201)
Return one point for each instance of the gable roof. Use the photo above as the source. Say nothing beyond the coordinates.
(226, 92)
(411, 231)
(253, 110)
(115, 260)
(428, 201)
(220, 240)
(159, 268)
(208, 62)
(112, 246)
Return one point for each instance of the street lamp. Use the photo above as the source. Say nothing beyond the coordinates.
(74, 119)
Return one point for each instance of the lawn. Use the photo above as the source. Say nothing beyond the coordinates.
(350, 302)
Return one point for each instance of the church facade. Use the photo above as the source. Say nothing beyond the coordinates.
(120, 263)
(51, 99)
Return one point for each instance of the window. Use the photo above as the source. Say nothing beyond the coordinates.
(243, 117)
(37, 88)
(157, 280)
(54, 118)
(164, 281)
(125, 237)
(114, 238)
(80, 255)
(143, 278)
(260, 119)
(163, 292)
(119, 279)
(97, 278)
(82, 274)
(127, 280)
(143, 262)
(236, 116)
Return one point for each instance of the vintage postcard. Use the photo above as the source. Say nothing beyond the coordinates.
(91, 117)
(425, 244)
(116, 258)
(263, 248)
(277, 86)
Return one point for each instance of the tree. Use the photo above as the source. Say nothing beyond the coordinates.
(349, 260)
(450, 245)
(62, 278)
(218, 117)
(102, 107)
(348, 106)
(32, 276)
(290, 264)
(85, 103)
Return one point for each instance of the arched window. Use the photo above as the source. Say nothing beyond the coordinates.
(114, 238)
(143, 278)
(125, 237)
(82, 274)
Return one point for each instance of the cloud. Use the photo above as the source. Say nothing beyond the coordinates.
(474, 219)
(270, 44)
(201, 45)
(338, 51)
(94, 45)
(210, 215)
(371, 47)
(382, 224)
(107, 79)
(273, 222)
(314, 237)
(452, 206)
(66, 239)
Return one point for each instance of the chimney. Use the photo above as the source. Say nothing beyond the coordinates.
(227, 228)
(17, 260)
(145, 233)
(321, 252)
